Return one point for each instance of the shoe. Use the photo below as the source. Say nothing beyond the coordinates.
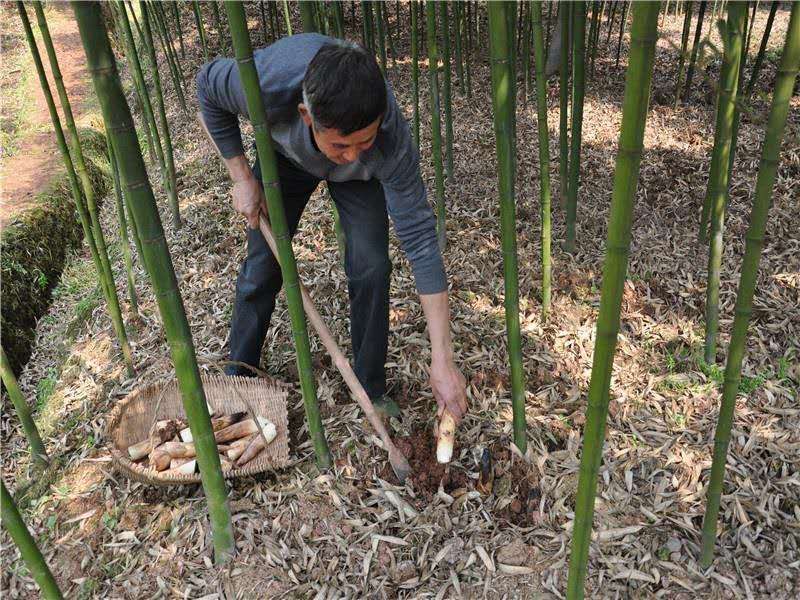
(386, 407)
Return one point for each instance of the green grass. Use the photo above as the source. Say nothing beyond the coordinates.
(45, 388)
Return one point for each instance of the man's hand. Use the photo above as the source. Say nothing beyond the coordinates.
(449, 388)
(248, 198)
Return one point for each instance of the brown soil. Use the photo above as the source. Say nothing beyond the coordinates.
(522, 486)
(426, 473)
(36, 159)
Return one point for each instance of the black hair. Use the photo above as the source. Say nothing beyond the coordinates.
(344, 87)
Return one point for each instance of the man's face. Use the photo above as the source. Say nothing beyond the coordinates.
(342, 149)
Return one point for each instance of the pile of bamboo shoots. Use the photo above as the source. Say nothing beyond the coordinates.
(170, 448)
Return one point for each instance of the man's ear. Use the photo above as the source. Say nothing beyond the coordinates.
(304, 114)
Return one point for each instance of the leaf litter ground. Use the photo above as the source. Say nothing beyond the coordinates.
(354, 532)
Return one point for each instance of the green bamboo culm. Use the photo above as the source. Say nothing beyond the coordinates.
(177, 16)
(38, 453)
(687, 27)
(754, 244)
(594, 25)
(687, 90)
(458, 41)
(468, 47)
(447, 89)
(381, 34)
(415, 69)
(308, 15)
(544, 150)
(563, 99)
(762, 48)
(198, 21)
(338, 21)
(218, 24)
(277, 216)
(140, 84)
(286, 17)
(737, 105)
(15, 526)
(502, 83)
(614, 6)
(578, 81)
(525, 7)
(157, 260)
(626, 176)
(169, 176)
(717, 190)
(123, 229)
(622, 22)
(87, 213)
(156, 12)
(367, 27)
(436, 125)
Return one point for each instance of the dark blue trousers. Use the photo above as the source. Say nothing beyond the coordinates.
(362, 213)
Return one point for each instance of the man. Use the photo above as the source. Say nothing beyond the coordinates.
(333, 116)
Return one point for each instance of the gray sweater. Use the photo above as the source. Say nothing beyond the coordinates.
(392, 159)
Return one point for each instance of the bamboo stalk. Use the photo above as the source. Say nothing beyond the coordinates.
(198, 21)
(623, 21)
(415, 70)
(458, 41)
(695, 49)
(277, 216)
(307, 15)
(381, 34)
(87, 213)
(286, 17)
(563, 96)
(762, 48)
(502, 82)
(13, 523)
(177, 16)
(175, 69)
(123, 229)
(717, 190)
(578, 81)
(626, 176)
(170, 179)
(447, 89)
(436, 127)
(687, 27)
(132, 56)
(118, 120)
(754, 244)
(38, 453)
(544, 150)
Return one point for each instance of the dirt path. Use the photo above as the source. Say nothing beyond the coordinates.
(37, 158)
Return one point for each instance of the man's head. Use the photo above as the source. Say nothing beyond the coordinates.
(344, 99)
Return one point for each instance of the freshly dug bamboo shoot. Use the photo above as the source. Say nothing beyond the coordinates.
(240, 430)
(258, 443)
(225, 464)
(159, 459)
(217, 423)
(238, 447)
(179, 449)
(447, 435)
(164, 430)
(177, 462)
(186, 468)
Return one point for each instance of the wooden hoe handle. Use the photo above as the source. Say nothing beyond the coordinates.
(396, 458)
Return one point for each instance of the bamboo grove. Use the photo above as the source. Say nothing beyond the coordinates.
(149, 41)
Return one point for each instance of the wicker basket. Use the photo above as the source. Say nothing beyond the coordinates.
(132, 418)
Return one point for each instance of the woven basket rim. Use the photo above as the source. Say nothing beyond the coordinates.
(124, 464)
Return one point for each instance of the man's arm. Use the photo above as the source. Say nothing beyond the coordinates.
(248, 195)
(447, 382)
(416, 227)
